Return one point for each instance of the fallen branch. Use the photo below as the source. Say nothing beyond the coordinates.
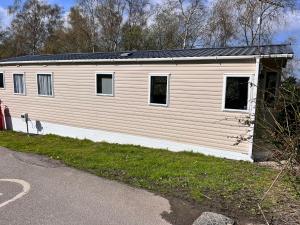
(263, 214)
(274, 181)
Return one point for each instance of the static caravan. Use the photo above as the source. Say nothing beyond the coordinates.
(181, 100)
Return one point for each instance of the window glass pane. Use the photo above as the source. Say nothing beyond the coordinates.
(158, 90)
(1, 80)
(44, 84)
(270, 88)
(104, 84)
(19, 83)
(237, 93)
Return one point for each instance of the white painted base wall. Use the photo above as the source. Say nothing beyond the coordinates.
(113, 137)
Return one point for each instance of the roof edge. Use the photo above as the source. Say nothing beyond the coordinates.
(170, 59)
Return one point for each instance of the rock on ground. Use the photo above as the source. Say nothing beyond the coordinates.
(209, 218)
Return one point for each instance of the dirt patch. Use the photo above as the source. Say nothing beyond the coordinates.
(182, 212)
(185, 212)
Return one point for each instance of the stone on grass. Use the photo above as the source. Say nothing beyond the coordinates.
(210, 218)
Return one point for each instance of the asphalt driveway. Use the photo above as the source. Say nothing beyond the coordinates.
(37, 191)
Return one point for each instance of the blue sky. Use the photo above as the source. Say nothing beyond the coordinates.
(289, 29)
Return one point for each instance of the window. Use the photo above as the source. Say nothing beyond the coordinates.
(19, 83)
(104, 84)
(1, 80)
(236, 93)
(44, 83)
(270, 88)
(159, 89)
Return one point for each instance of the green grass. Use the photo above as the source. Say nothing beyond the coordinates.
(185, 175)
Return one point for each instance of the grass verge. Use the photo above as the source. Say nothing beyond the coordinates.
(189, 176)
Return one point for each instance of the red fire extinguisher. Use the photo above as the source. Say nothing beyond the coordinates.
(1, 119)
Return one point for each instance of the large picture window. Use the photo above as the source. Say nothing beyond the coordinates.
(1, 80)
(104, 84)
(44, 83)
(236, 93)
(159, 89)
(19, 83)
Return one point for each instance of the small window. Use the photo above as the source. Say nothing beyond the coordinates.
(159, 89)
(19, 84)
(1, 80)
(104, 83)
(236, 93)
(44, 83)
(270, 88)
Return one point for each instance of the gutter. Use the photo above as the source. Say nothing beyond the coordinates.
(175, 59)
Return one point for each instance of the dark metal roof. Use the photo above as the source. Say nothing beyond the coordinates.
(265, 50)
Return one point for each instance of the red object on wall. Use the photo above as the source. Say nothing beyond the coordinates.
(1, 119)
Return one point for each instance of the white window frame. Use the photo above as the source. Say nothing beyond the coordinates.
(251, 77)
(3, 88)
(24, 83)
(112, 83)
(168, 88)
(37, 83)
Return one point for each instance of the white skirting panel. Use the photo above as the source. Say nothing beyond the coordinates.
(38, 127)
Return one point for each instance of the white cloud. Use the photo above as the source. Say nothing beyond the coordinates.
(5, 18)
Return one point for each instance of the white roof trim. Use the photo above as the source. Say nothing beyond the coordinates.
(150, 59)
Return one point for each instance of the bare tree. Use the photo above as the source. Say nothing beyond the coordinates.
(277, 132)
(186, 18)
(138, 12)
(192, 17)
(75, 37)
(221, 25)
(280, 134)
(110, 16)
(15, 7)
(34, 22)
(165, 30)
(293, 66)
(270, 12)
(2, 32)
(78, 38)
(135, 27)
(2, 37)
(89, 10)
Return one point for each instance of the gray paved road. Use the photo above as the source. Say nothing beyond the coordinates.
(64, 196)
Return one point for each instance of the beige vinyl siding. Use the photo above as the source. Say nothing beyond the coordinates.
(194, 114)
